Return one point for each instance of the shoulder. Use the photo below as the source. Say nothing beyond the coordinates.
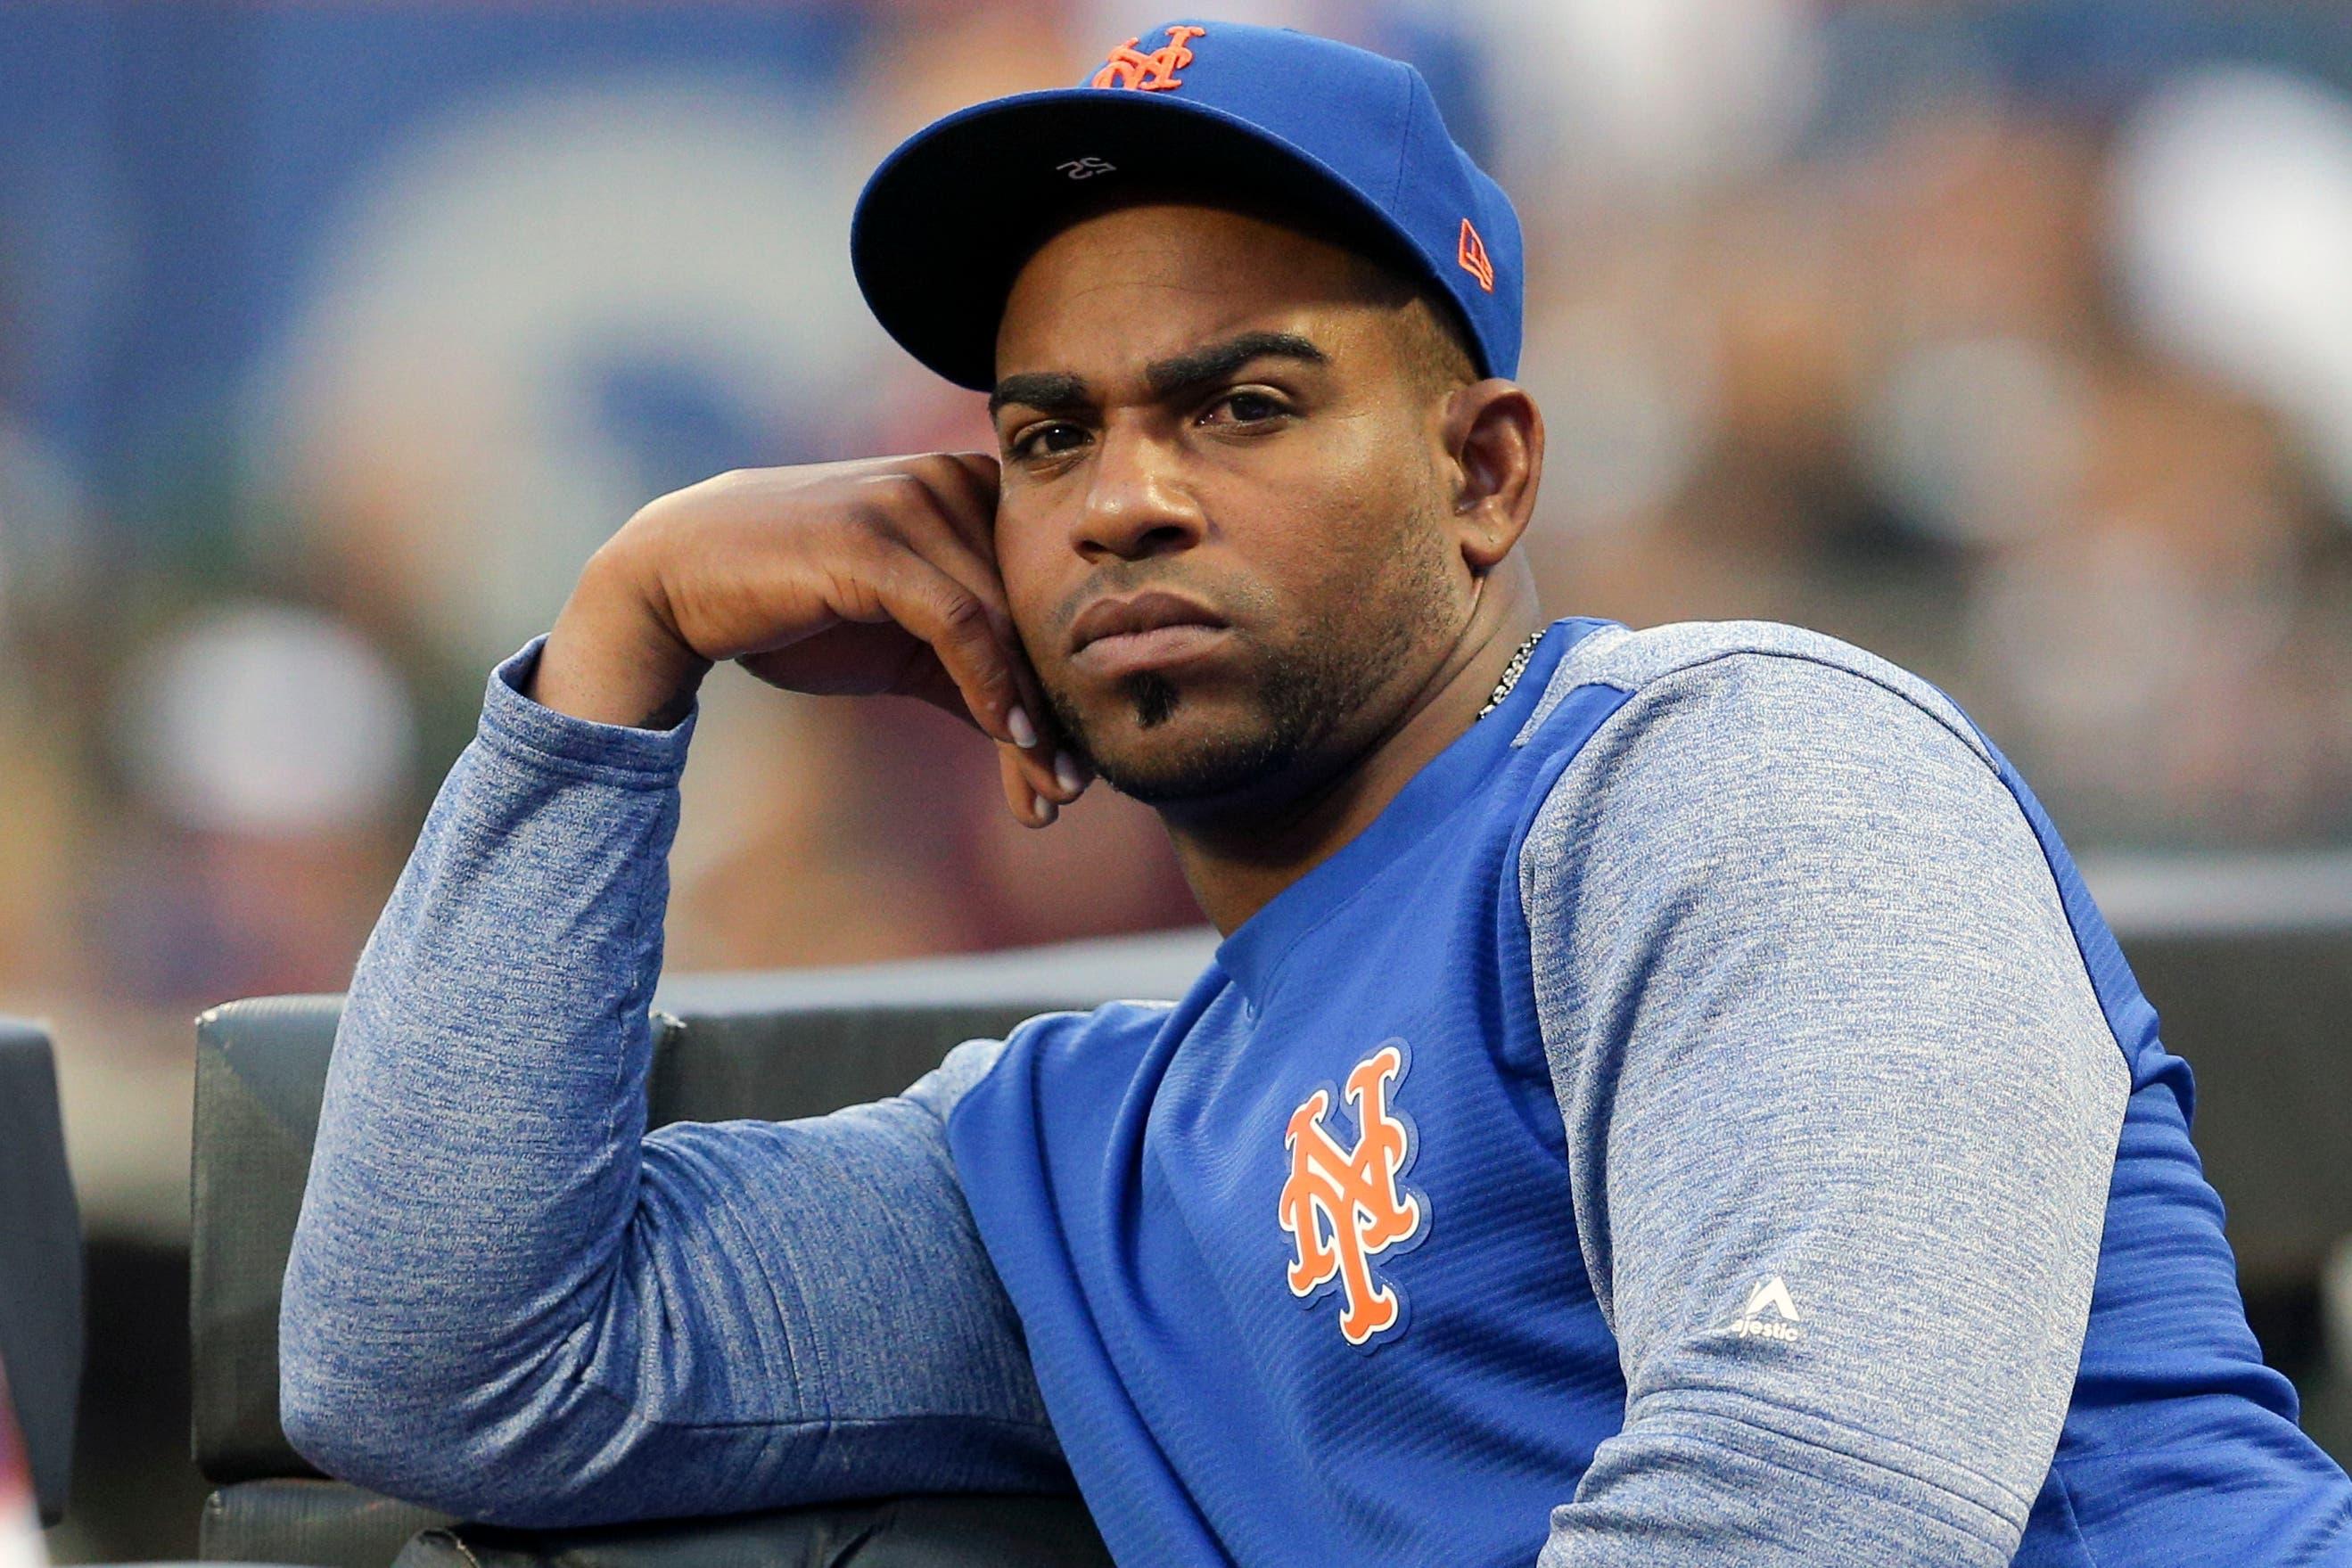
(1744, 673)
(1775, 813)
(1749, 743)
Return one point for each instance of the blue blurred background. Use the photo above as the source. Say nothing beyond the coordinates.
(2012, 340)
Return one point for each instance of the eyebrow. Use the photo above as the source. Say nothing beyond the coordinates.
(1047, 391)
(1184, 372)
(1058, 391)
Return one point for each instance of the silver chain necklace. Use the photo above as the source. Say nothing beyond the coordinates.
(1511, 674)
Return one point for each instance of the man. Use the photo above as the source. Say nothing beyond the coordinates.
(1661, 1098)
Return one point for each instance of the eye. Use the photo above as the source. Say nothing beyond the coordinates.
(1247, 406)
(1047, 439)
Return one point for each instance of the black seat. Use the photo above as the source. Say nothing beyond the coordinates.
(40, 1263)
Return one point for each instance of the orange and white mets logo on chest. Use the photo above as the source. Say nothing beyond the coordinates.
(1345, 1207)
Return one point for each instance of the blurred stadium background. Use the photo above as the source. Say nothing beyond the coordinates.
(2011, 340)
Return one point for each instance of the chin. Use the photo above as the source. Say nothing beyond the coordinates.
(1164, 745)
(1231, 731)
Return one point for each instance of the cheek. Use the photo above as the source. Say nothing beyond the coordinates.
(1370, 498)
(1026, 561)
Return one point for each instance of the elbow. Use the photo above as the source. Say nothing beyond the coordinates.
(361, 1394)
(332, 1380)
(358, 1410)
(361, 1424)
(330, 1428)
(391, 1443)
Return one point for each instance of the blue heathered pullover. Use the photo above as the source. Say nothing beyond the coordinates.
(1702, 1121)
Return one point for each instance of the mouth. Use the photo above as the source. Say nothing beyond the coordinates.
(1119, 636)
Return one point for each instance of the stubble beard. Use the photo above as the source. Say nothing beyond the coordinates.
(1304, 695)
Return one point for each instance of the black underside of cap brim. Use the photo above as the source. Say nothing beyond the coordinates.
(945, 224)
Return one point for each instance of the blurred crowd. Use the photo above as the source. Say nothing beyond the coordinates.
(2011, 340)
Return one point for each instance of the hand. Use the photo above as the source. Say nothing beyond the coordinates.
(875, 575)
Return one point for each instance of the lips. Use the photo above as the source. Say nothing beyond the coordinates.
(1116, 638)
(1143, 612)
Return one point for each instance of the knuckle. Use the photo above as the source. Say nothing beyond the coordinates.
(963, 614)
(943, 466)
(654, 514)
(863, 534)
(856, 593)
(727, 482)
(895, 489)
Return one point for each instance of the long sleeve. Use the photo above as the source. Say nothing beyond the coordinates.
(506, 1301)
(1842, 1112)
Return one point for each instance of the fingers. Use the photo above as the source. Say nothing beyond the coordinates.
(987, 676)
(938, 527)
(954, 529)
(1035, 787)
(1030, 806)
(960, 630)
(916, 545)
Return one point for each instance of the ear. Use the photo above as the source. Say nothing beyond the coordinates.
(1493, 434)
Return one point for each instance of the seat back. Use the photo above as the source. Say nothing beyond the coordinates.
(262, 1070)
(2248, 962)
(40, 1263)
(2264, 1019)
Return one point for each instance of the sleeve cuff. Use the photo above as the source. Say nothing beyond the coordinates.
(610, 753)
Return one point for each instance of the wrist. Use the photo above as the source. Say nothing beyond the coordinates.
(610, 658)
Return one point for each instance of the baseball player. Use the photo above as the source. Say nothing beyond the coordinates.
(1661, 1098)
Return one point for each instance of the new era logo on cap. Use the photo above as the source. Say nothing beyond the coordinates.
(1470, 250)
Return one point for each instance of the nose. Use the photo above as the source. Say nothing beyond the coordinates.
(1135, 504)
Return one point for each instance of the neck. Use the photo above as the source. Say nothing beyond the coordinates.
(1239, 855)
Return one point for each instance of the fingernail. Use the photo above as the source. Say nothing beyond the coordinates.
(1047, 811)
(1066, 773)
(1024, 733)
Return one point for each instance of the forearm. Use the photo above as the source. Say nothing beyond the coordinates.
(479, 1149)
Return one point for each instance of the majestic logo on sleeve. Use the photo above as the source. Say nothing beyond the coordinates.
(1343, 1207)
(1155, 72)
(1770, 1297)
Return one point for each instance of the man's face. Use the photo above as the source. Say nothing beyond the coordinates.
(1198, 402)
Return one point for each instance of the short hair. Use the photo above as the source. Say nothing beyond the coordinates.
(1438, 343)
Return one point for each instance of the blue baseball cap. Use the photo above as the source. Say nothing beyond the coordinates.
(1289, 122)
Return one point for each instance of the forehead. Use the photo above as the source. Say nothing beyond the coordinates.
(1122, 288)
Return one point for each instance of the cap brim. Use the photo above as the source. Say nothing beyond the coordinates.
(944, 225)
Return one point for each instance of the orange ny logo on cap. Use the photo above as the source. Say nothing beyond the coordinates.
(1342, 1206)
(1472, 253)
(1153, 72)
